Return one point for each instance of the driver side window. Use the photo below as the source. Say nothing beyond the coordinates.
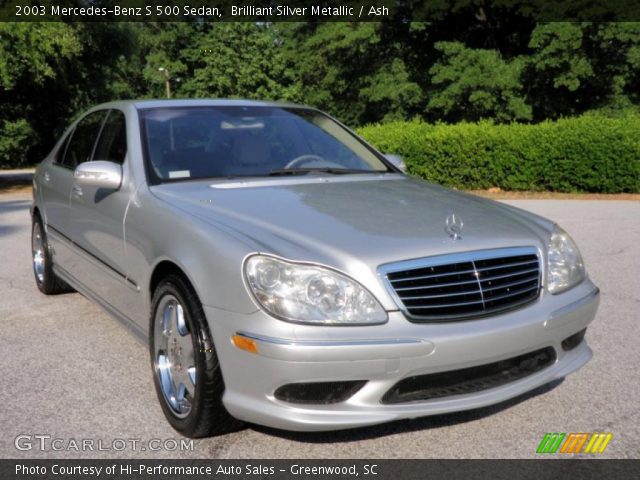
(83, 139)
(112, 145)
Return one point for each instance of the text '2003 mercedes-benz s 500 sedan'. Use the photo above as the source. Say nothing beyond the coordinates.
(286, 273)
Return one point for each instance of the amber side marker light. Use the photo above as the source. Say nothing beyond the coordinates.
(244, 343)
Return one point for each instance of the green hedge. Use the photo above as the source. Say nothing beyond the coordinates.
(591, 153)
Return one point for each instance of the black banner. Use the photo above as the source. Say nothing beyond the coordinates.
(319, 469)
(311, 10)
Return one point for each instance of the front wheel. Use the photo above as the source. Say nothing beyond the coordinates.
(186, 370)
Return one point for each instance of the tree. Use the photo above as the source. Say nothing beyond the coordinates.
(575, 67)
(33, 61)
(472, 84)
(356, 71)
(50, 72)
(474, 60)
(558, 69)
(241, 60)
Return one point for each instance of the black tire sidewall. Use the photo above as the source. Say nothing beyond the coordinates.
(201, 338)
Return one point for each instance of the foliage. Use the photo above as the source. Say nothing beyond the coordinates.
(16, 139)
(32, 57)
(35, 53)
(238, 60)
(49, 72)
(591, 153)
(576, 67)
(473, 84)
(475, 61)
(356, 71)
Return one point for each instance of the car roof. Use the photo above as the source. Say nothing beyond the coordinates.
(217, 102)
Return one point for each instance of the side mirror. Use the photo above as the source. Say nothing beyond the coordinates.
(397, 161)
(100, 174)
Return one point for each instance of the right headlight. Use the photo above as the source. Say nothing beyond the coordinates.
(305, 293)
(565, 268)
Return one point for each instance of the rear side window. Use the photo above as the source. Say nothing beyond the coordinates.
(112, 145)
(83, 139)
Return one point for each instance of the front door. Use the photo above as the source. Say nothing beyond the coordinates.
(57, 184)
(97, 220)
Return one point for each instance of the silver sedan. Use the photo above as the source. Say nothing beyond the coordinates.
(286, 273)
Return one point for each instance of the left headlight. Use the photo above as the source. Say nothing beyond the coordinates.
(305, 293)
(565, 268)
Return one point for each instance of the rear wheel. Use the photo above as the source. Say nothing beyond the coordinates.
(46, 280)
(186, 370)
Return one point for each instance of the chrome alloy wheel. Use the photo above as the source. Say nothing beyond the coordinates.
(174, 359)
(38, 253)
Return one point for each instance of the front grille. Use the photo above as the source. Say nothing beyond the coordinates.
(469, 380)
(450, 287)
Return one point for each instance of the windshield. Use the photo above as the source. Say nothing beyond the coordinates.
(234, 141)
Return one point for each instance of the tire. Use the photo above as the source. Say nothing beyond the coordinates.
(46, 280)
(186, 371)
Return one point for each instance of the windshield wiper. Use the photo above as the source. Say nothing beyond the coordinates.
(278, 172)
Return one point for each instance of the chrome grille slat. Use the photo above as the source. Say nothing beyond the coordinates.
(509, 265)
(457, 294)
(436, 275)
(515, 304)
(437, 285)
(477, 275)
(496, 277)
(511, 284)
(435, 305)
(510, 294)
(473, 284)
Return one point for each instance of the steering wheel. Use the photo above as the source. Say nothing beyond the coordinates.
(306, 159)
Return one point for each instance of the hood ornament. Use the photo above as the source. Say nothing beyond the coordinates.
(453, 226)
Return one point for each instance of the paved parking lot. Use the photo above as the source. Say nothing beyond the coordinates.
(70, 371)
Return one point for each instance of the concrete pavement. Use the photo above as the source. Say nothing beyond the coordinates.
(70, 371)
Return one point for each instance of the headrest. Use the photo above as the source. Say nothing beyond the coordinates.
(250, 148)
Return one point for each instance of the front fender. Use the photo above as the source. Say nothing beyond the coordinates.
(210, 257)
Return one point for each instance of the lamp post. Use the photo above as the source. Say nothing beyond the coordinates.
(167, 83)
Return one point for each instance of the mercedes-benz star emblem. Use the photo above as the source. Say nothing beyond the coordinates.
(453, 226)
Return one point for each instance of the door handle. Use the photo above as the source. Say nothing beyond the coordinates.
(46, 177)
(76, 191)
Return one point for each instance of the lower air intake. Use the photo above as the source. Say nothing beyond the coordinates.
(469, 380)
(319, 393)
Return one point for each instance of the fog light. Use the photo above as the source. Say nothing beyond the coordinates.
(573, 341)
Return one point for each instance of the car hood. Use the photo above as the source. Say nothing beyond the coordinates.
(366, 219)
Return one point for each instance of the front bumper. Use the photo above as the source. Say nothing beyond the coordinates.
(384, 354)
